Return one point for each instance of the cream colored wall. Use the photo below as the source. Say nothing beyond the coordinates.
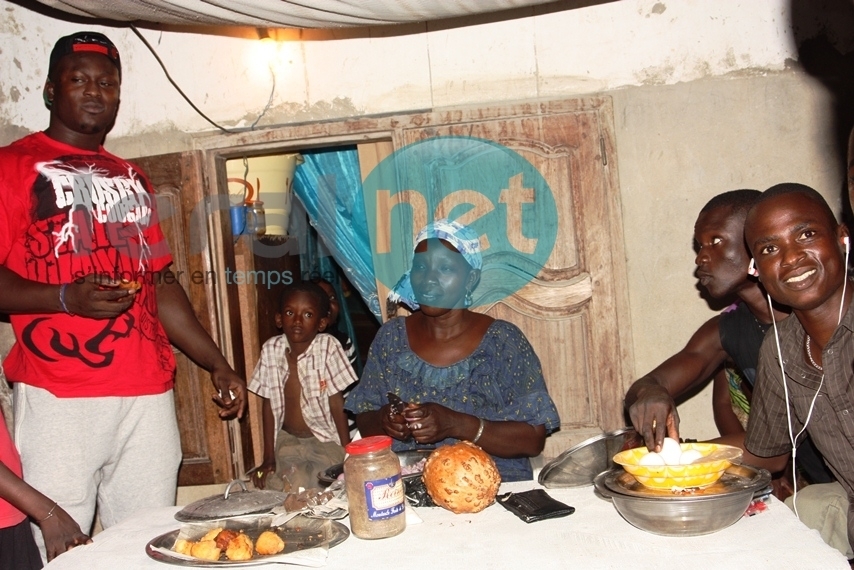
(706, 99)
(327, 74)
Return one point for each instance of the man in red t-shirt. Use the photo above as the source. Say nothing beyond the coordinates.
(84, 274)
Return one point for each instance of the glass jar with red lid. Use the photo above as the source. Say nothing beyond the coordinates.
(374, 488)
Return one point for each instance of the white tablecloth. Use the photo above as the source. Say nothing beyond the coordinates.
(594, 537)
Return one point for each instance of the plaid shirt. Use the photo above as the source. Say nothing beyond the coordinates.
(323, 371)
(831, 426)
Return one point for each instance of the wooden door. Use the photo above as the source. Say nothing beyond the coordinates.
(178, 184)
(575, 312)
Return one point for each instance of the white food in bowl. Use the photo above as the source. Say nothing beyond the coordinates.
(671, 454)
(671, 451)
(651, 458)
(689, 456)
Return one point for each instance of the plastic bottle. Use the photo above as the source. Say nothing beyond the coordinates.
(374, 488)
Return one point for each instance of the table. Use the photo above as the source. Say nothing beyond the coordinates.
(592, 538)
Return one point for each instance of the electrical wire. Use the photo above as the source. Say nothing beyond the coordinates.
(269, 99)
(190, 102)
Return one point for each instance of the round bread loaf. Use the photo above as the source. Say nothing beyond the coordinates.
(461, 477)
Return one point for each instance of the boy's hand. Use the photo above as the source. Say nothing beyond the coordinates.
(654, 416)
(258, 475)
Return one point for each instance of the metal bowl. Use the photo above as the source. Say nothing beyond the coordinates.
(703, 511)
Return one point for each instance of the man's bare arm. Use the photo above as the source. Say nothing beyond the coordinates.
(650, 401)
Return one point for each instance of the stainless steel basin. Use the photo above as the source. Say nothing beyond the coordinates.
(683, 514)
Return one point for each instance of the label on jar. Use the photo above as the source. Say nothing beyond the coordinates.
(384, 498)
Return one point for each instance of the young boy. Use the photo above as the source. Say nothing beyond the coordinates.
(300, 376)
(800, 252)
(332, 322)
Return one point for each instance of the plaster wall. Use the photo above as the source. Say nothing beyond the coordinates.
(706, 99)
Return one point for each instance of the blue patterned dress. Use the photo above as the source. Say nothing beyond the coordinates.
(502, 380)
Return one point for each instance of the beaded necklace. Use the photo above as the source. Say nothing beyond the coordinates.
(809, 355)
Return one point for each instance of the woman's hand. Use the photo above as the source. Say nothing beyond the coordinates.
(394, 424)
(258, 475)
(61, 533)
(431, 422)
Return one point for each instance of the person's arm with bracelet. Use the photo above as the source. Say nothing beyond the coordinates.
(90, 296)
(60, 531)
(431, 422)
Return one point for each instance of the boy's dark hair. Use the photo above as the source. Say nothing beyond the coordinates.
(803, 190)
(739, 200)
(310, 288)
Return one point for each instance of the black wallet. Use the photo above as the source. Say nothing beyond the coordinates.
(534, 505)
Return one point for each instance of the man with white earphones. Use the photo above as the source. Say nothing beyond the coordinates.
(805, 379)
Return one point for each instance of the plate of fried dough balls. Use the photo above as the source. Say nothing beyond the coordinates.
(244, 541)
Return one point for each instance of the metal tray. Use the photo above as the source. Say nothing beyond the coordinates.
(299, 533)
(406, 458)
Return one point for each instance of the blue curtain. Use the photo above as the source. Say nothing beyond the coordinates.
(329, 185)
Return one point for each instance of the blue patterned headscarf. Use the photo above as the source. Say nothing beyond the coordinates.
(464, 239)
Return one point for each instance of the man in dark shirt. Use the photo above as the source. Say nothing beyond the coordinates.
(736, 335)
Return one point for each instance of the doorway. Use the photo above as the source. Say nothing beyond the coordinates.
(310, 239)
(575, 310)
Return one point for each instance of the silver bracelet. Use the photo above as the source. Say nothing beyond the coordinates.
(479, 430)
(49, 513)
(62, 299)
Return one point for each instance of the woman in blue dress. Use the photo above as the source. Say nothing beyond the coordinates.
(464, 375)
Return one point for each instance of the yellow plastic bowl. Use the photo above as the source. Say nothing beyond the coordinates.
(701, 473)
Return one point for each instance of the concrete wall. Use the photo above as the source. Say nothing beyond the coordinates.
(707, 96)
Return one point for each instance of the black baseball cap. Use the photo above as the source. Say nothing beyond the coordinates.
(84, 42)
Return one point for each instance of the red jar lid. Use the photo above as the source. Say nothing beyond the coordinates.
(368, 444)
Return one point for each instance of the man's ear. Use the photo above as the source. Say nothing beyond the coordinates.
(48, 93)
(844, 237)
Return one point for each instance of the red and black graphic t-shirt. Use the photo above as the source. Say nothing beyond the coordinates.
(66, 213)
